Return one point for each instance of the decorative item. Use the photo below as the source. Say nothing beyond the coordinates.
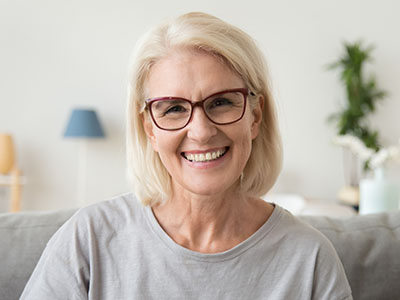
(377, 194)
(7, 156)
(83, 124)
(362, 95)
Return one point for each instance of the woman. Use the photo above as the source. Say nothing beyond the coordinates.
(203, 146)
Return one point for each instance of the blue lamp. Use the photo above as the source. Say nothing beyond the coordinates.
(83, 124)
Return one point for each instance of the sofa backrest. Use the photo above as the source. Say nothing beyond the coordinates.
(368, 246)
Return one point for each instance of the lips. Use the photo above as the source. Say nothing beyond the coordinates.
(205, 156)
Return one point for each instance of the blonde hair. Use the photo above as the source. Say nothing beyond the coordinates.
(200, 31)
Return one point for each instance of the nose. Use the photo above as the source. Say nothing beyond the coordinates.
(200, 128)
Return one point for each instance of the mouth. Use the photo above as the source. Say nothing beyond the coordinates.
(206, 156)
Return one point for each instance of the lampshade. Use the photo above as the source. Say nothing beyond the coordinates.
(7, 156)
(84, 123)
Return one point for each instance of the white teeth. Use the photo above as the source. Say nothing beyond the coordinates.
(201, 157)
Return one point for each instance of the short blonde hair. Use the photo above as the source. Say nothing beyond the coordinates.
(199, 31)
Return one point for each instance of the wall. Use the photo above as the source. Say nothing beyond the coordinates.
(56, 55)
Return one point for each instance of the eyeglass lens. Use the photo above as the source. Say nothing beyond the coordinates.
(221, 109)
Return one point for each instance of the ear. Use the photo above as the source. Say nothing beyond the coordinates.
(257, 117)
(149, 129)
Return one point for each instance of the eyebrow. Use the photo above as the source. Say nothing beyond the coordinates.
(160, 100)
(181, 98)
(176, 98)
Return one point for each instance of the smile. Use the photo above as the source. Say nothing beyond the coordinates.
(205, 157)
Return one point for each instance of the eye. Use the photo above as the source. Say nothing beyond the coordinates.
(171, 108)
(220, 102)
(175, 109)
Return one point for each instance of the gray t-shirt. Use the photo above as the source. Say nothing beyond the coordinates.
(117, 250)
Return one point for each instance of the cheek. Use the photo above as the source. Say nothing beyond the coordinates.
(244, 141)
(167, 146)
(166, 143)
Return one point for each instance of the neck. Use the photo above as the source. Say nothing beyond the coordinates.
(211, 224)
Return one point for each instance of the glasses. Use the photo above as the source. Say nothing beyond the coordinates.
(222, 108)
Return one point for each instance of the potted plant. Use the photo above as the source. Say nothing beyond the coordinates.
(362, 95)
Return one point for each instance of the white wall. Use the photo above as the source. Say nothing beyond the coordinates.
(55, 55)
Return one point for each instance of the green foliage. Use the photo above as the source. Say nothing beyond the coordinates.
(362, 95)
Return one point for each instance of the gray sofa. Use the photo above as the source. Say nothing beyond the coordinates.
(369, 247)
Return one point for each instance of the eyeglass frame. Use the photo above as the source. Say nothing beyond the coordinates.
(244, 91)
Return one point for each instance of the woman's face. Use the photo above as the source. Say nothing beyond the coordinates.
(196, 75)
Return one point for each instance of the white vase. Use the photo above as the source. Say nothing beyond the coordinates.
(378, 194)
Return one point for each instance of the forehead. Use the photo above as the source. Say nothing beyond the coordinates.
(191, 74)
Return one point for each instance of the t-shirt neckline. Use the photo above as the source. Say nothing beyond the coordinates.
(242, 247)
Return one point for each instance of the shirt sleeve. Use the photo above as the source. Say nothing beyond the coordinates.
(63, 269)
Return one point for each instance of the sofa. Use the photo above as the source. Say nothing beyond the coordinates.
(368, 246)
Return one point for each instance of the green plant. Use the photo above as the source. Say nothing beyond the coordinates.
(362, 95)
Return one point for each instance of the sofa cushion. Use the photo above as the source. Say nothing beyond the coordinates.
(369, 248)
(23, 237)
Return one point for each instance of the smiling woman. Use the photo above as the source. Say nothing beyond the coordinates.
(199, 75)
(229, 47)
(203, 146)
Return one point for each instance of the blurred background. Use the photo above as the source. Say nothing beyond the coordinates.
(56, 56)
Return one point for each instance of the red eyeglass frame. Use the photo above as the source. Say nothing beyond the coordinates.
(244, 91)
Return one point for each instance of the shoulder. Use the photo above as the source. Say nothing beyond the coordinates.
(119, 209)
(123, 207)
(107, 217)
(311, 249)
(299, 231)
(299, 240)
(66, 266)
